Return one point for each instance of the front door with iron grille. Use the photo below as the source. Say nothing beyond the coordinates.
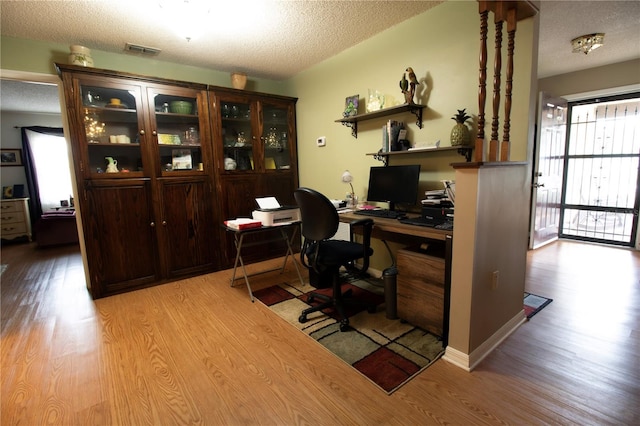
(601, 183)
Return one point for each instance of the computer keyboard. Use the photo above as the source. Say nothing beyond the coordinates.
(446, 226)
(389, 214)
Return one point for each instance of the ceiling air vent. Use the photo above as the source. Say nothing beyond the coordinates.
(142, 50)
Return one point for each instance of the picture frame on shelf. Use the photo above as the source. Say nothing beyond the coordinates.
(351, 106)
(11, 157)
(7, 192)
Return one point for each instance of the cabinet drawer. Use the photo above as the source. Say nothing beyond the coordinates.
(7, 207)
(420, 288)
(420, 267)
(11, 217)
(19, 228)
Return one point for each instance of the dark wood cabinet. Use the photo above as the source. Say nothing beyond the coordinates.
(160, 164)
(256, 156)
(144, 169)
(186, 226)
(121, 243)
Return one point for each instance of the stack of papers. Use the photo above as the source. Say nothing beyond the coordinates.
(441, 197)
(243, 223)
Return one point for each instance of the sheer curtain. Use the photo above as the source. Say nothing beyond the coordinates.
(47, 168)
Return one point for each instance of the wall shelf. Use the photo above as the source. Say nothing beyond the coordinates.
(465, 151)
(352, 122)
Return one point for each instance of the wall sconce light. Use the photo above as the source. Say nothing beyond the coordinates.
(587, 43)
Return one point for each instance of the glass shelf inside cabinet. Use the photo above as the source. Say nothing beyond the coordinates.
(237, 137)
(276, 138)
(111, 131)
(178, 128)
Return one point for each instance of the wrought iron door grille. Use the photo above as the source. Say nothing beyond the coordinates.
(600, 196)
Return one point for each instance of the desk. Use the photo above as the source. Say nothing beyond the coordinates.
(239, 234)
(393, 230)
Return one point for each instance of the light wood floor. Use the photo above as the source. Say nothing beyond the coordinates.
(199, 352)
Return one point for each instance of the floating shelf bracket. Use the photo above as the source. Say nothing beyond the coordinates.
(353, 125)
(417, 111)
(352, 121)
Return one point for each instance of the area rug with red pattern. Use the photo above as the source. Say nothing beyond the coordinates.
(387, 352)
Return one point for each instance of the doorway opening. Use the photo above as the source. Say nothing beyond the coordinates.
(601, 182)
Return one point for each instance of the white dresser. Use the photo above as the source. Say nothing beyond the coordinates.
(14, 219)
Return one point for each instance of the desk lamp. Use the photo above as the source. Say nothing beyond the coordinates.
(347, 178)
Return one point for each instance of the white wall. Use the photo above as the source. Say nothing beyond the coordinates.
(11, 138)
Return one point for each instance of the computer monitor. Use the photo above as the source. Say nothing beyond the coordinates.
(394, 184)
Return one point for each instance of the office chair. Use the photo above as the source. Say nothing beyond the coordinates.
(324, 256)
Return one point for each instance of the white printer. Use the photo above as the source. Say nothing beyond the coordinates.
(271, 213)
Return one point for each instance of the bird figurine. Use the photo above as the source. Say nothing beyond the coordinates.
(404, 86)
(413, 82)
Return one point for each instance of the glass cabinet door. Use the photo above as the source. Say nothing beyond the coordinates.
(177, 127)
(110, 116)
(276, 137)
(237, 136)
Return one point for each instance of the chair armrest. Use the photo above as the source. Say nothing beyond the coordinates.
(367, 227)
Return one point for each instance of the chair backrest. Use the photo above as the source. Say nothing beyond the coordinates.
(319, 216)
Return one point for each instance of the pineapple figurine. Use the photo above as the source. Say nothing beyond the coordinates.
(460, 132)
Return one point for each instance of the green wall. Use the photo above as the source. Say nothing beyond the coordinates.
(43, 55)
(442, 46)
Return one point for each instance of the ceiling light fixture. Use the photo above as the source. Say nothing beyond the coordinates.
(187, 18)
(587, 43)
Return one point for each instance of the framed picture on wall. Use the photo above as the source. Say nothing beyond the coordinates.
(351, 106)
(11, 157)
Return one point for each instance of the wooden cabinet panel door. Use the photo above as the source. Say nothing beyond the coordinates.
(120, 236)
(189, 226)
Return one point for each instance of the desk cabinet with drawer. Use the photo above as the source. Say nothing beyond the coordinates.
(421, 287)
(15, 219)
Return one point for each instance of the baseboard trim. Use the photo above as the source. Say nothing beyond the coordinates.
(469, 361)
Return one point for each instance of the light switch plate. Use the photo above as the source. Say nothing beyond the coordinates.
(321, 141)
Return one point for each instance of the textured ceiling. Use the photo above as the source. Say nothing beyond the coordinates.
(562, 21)
(286, 37)
(267, 39)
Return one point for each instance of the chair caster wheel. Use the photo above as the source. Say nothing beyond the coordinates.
(344, 325)
(302, 319)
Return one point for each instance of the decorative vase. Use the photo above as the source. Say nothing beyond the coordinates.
(238, 80)
(80, 55)
(460, 135)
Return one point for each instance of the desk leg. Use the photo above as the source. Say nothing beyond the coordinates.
(238, 243)
(290, 252)
(447, 289)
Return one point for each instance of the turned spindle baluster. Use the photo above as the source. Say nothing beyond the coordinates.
(497, 67)
(482, 91)
(509, 12)
(511, 33)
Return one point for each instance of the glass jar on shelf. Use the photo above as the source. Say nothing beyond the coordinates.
(191, 136)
